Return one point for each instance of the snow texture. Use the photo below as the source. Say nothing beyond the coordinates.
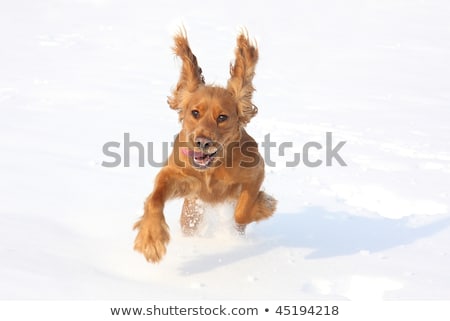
(78, 74)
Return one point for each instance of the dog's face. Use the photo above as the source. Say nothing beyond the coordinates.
(210, 123)
(212, 116)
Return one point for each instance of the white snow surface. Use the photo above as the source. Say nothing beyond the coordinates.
(78, 74)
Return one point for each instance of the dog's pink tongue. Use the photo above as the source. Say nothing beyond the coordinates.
(191, 153)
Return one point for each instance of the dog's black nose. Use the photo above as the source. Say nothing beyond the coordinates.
(203, 142)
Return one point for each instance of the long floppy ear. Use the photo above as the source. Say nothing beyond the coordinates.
(191, 74)
(242, 72)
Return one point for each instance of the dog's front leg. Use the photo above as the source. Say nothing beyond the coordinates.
(153, 232)
(253, 205)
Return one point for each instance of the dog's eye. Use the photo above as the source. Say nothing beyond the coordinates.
(222, 118)
(195, 113)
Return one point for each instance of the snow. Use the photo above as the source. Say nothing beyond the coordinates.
(78, 74)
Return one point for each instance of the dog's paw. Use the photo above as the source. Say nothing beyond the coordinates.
(240, 229)
(266, 206)
(152, 239)
(270, 203)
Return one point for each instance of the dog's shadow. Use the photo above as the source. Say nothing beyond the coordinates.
(326, 234)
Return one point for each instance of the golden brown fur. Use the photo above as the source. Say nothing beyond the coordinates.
(214, 159)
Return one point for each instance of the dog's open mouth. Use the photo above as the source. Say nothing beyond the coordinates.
(200, 159)
(203, 160)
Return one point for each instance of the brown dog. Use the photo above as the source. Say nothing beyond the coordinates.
(214, 159)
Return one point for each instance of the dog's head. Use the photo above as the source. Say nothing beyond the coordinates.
(213, 116)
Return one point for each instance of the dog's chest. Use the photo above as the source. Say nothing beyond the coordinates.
(217, 188)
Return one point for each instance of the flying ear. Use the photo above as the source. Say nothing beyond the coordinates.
(240, 84)
(191, 74)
